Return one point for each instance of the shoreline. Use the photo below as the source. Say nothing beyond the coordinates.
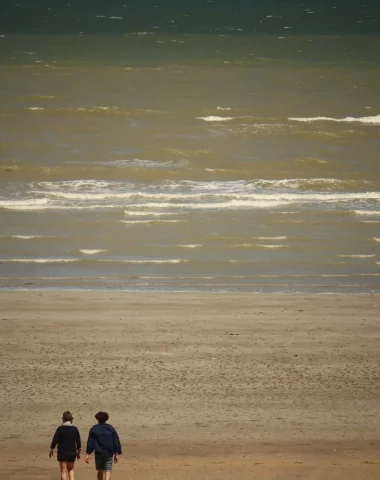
(178, 286)
(186, 292)
(197, 385)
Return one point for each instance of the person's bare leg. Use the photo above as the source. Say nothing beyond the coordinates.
(63, 467)
(107, 476)
(100, 475)
(70, 470)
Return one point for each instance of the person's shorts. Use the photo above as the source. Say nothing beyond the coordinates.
(64, 457)
(103, 462)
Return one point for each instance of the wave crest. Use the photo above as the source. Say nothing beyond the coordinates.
(370, 120)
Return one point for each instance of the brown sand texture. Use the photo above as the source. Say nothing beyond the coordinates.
(199, 386)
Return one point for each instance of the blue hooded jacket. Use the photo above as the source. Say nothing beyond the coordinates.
(103, 439)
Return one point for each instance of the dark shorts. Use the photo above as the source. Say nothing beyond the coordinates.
(64, 457)
(103, 462)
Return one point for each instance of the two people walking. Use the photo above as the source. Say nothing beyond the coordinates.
(102, 439)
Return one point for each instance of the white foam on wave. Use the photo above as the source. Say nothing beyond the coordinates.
(297, 183)
(377, 239)
(39, 260)
(371, 120)
(215, 118)
(189, 246)
(233, 204)
(61, 207)
(26, 237)
(234, 186)
(258, 245)
(213, 191)
(160, 200)
(23, 203)
(94, 251)
(357, 256)
(74, 184)
(87, 195)
(94, 109)
(34, 109)
(223, 108)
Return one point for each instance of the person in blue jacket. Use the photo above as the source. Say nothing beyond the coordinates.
(104, 441)
(67, 438)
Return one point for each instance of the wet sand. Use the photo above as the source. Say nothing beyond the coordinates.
(199, 386)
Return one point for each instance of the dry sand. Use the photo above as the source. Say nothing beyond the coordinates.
(199, 386)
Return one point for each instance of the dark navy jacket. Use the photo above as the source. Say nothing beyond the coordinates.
(104, 439)
(68, 440)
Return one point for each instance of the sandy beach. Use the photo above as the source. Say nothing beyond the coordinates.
(199, 386)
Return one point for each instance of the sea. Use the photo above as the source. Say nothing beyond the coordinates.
(216, 147)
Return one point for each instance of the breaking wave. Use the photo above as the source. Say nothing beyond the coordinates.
(91, 252)
(371, 120)
(215, 118)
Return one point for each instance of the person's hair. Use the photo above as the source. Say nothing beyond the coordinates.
(102, 417)
(67, 416)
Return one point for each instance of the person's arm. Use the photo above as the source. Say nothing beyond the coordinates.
(90, 445)
(116, 445)
(54, 442)
(79, 444)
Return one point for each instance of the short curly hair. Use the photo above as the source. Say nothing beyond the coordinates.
(67, 416)
(102, 417)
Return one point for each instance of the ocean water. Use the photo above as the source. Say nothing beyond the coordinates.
(227, 161)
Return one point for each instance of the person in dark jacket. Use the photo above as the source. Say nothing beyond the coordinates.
(67, 438)
(104, 441)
